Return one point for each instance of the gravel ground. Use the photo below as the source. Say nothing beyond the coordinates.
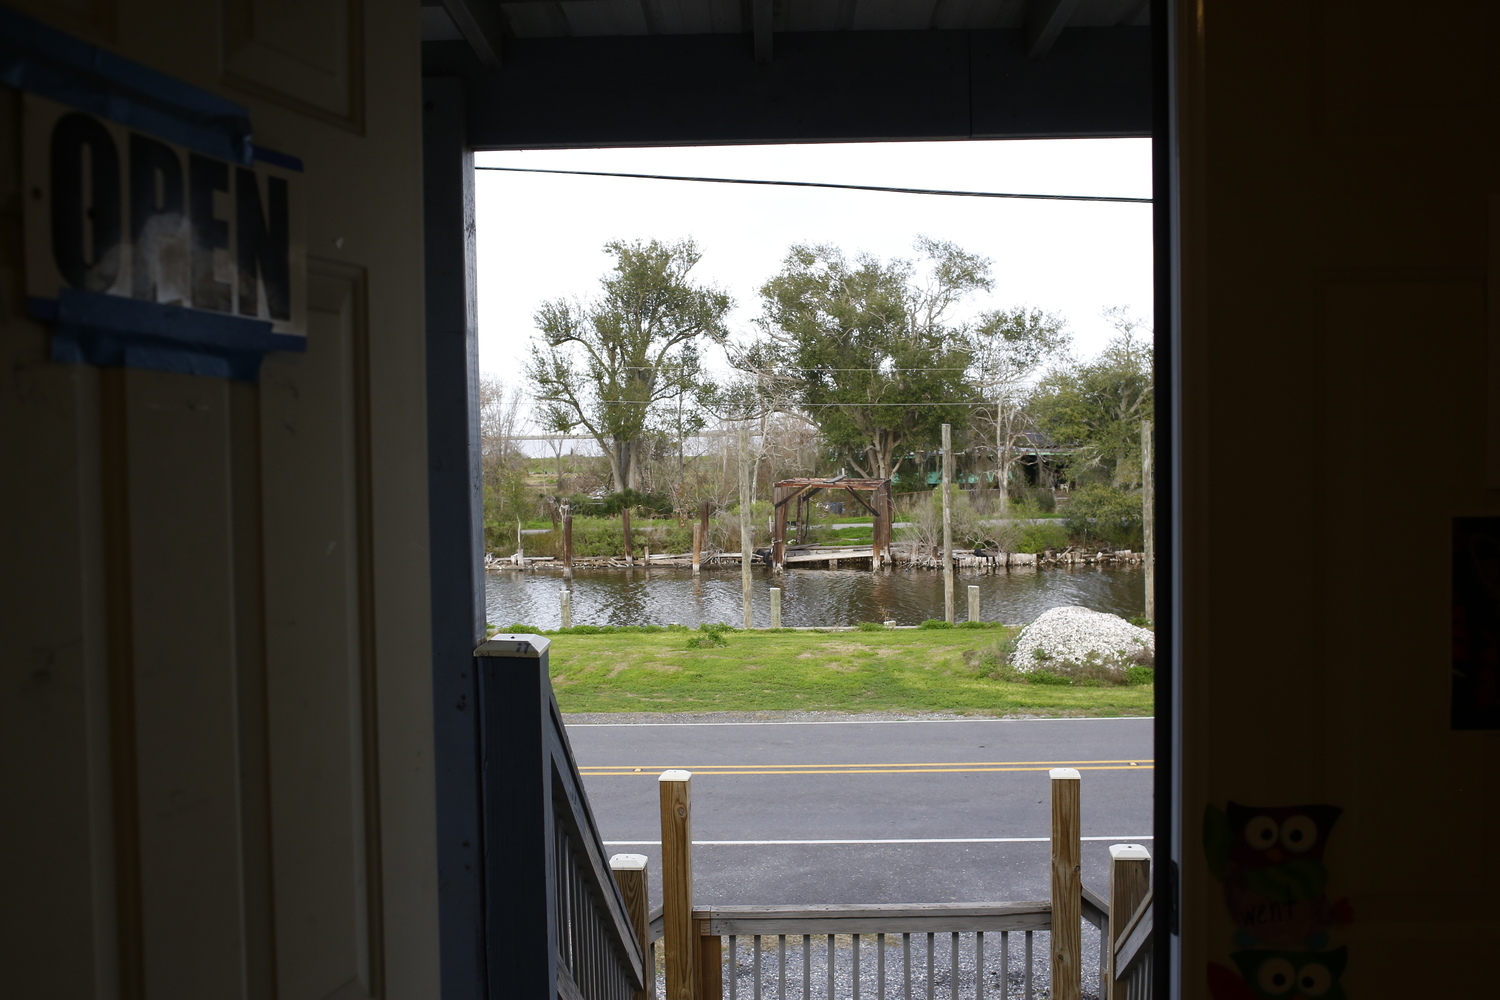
(1072, 633)
(941, 984)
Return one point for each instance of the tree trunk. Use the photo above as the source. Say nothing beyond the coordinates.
(1002, 456)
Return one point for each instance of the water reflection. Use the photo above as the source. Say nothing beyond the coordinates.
(818, 597)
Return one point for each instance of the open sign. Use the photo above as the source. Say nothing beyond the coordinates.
(115, 212)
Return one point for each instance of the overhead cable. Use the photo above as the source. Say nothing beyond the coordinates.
(820, 184)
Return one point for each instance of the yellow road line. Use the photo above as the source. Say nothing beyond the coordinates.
(700, 772)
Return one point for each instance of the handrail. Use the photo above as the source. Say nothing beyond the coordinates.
(1095, 909)
(1135, 940)
(886, 918)
(535, 806)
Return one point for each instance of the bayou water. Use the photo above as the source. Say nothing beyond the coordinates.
(810, 597)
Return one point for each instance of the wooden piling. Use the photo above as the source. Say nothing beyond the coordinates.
(625, 520)
(1129, 883)
(677, 884)
(697, 548)
(630, 875)
(1067, 887)
(973, 604)
(947, 524)
(567, 608)
(776, 607)
(567, 520)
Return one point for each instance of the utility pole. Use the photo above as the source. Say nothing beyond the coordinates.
(1148, 516)
(745, 553)
(947, 524)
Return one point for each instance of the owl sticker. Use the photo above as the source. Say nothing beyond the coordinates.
(1270, 861)
(1293, 975)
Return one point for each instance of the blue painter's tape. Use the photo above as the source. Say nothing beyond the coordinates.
(38, 58)
(112, 331)
(283, 160)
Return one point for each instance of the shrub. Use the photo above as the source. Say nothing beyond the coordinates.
(1107, 514)
(870, 627)
(604, 536)
(521, 628)
(710, 635)
(1040, 498)
(935, 623)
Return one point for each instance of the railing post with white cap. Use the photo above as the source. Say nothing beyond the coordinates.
(1067, 887)
(1129, 882)
(678, 931)
(630, 875)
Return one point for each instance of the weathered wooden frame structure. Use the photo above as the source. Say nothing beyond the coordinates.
(801, 491)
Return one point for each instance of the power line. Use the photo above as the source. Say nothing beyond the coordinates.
(838, 187)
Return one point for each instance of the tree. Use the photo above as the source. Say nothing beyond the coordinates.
(506, 497)
(609, 362)
(1011, 345)
(866, 348)
(1098, 405)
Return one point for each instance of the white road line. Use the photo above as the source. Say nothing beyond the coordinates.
(1122, 839)
(852, 722)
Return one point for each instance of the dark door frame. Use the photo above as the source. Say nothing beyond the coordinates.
(749, 103)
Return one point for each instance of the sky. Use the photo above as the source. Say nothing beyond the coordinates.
(541, 236)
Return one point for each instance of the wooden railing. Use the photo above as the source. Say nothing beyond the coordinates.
(559, 928)
(979, 950)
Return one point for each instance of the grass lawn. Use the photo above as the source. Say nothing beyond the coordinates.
(908, 670)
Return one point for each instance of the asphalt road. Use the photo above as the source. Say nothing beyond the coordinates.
(868, 812)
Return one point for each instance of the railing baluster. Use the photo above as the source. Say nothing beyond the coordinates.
(854, 939)
(755, 965)
(807, 967)
(1028, 965)
(830, 967)
(953, 969)
(931, 984)
(906, 953)
(781, 966)
(1104, 960)
(979, 966)
(880, 967)
(734, 968)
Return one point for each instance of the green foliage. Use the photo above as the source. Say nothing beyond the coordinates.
(852, 337)
(616, 629)
(848, 671)
(605, 536)
(1141, 621)
(609, 364)
(1039, 500)
(1098, 406)
(611, 504)
(1100, 512)
(710, 635)
(935, 623)
(521, 628)
(870, 627)
(1094, 671)
(1039, 538)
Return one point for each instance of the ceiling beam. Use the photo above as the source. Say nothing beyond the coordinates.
(1045, 20)
(479, 22)
(761, 17)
